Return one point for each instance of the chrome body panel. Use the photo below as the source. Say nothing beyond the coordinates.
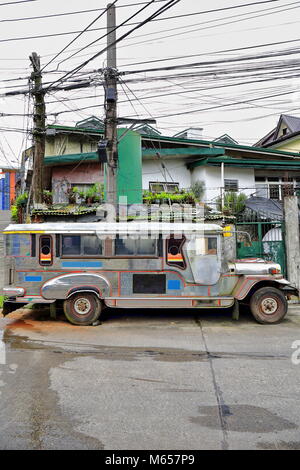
(61, 287)
(13, 291)
(254, 266)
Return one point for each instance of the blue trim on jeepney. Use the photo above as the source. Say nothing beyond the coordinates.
(174, 285)
(81, 264)
(33, 278)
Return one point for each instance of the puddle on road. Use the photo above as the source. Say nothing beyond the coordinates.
(242, 418)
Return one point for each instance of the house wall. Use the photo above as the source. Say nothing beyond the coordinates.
(64, 145)
(212, 179)
(153, 172)
(64, 176)
(210, 175)
(289, 146)
(86, 173)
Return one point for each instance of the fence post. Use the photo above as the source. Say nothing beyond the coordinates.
(292, 240)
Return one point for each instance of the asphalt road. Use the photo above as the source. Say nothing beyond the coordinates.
(149, 380)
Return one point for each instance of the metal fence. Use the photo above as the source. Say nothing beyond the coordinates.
(261, 236)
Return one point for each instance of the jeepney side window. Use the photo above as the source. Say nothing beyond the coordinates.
(71, 245)
(91, 245)
(135, 247)
(45, 255)
(18, 245)
(211, 245)
(206, 245)
(81, 245)
(174, 253)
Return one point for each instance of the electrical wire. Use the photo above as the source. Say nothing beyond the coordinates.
(80, 34)
(161, 10)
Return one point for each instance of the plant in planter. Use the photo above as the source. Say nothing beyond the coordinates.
(94, 194)
(71, 195)
(47, 197)
(233, 203)
(18, 207)
(198, 190)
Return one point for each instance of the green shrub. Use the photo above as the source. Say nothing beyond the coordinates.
(233, 203)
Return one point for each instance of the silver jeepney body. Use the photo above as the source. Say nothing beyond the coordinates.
(179, 266)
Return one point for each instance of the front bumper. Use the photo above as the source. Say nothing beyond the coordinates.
(13, 291)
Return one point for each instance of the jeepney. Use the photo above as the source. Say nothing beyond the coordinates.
(90, 266)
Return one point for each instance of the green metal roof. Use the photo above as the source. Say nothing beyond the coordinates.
(184, 151)
(247, 163)
(213, 144)
(211, 148)
(71, 158)
(75, 129)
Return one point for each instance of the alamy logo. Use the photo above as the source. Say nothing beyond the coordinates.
(296, 354)
(2, 349)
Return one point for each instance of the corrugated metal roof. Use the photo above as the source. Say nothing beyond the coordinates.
(292, 122)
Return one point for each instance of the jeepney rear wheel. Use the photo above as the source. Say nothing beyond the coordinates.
(83, 308)
(268, 305)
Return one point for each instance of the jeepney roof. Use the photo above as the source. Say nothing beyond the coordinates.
(113, 228)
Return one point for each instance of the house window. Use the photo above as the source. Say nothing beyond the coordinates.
(274, 187)
(156, 187)
(231, 185)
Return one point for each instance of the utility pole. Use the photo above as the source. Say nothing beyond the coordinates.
(39, 120)
(111, 96)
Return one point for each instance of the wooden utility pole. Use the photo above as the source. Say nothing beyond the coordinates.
(111, 96)
(39, 120)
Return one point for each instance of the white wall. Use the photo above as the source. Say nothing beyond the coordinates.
(212, 178)
(152, 171)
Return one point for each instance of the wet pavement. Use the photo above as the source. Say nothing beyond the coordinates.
(149, 380)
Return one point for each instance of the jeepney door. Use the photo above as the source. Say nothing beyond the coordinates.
(204, 257)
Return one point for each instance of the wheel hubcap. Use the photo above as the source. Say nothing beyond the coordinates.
(269, 306)
(82, 306)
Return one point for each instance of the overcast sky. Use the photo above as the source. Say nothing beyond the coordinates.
(202, 35)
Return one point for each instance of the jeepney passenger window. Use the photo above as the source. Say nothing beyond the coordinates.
(81, 245)
(125, 246)
(45, 251)
(91, 245)
(71, 245)
(135, 247)
(146, 246)
(175, 256)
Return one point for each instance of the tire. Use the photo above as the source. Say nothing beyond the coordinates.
(83, 308)
(268, 305)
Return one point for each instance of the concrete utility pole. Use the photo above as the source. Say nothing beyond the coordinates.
(111, 96)
(39, 120)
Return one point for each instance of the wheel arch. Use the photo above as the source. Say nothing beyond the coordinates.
(259, 285)
(90, 289)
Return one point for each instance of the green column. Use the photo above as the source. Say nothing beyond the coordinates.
(129, 173)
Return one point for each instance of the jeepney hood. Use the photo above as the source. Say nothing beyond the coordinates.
(255, 266)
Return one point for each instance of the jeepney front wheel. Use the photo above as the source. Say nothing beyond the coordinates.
(268, 305)
(83, 308)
